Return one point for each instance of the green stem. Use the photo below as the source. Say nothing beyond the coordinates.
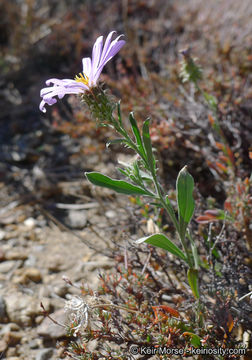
(171, 215)
(158, 188)
(194, 251)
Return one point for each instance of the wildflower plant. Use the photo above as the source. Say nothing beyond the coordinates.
(126, 310)
(142, 175)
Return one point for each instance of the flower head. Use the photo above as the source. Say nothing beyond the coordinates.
(84, 81)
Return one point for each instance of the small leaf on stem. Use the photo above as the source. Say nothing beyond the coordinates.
(192, 276)
(137, 134)
(148, 146)
(119, 113)
(185, 200)
(119, 186)
(116, 141)
(161, 241)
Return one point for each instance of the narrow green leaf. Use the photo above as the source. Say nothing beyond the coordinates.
(116, 141)
(119, 113)
(148, 146)
(119, 186)
(185, 200)
(192, 276)
(161, 241)
(123, 172)
(137, 134)
(157, 204)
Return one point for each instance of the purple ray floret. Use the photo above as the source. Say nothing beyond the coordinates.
(92, 69)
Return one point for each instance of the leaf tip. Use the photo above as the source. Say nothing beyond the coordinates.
(184, 169)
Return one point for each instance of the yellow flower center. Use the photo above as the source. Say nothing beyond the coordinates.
(82, 78)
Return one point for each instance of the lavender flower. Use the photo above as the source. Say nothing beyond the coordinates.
(92, 69)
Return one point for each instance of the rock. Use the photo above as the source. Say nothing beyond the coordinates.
(44, 354)
(30, 223)
(31, 261)
(11, 354)
(39, 319)
(24, 276)
(7, 266)
(44, 291)
(93, 265)
(16, 255)
(32, 274)
(76, 219)
(9, 327)
(51, 330)
(111, 214)
(60, 289)
(3, 314)
(55, 265)
(33, 344)
(22, 308)
(3, 346)
(12, 338)
(2, 234)
(2, 255)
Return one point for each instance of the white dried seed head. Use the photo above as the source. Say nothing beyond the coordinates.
(78, 311)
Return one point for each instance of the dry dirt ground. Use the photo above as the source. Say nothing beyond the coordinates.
(40, 244)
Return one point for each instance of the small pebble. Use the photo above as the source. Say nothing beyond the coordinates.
(11, 354)
(44, 354)
(3, 346)
(16, 255)
(2, 234)
(21, 308)
(33, 344)
(7, 266)
(77, 219)
(32, 274)
(13, 338)
(3, 314)
(30, 223)
(111, 214)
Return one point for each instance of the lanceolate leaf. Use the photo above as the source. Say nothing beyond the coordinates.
(137, 134)
(148, 146)
(185, 200)
(161, 241)
(192, 276)
(119, 186)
